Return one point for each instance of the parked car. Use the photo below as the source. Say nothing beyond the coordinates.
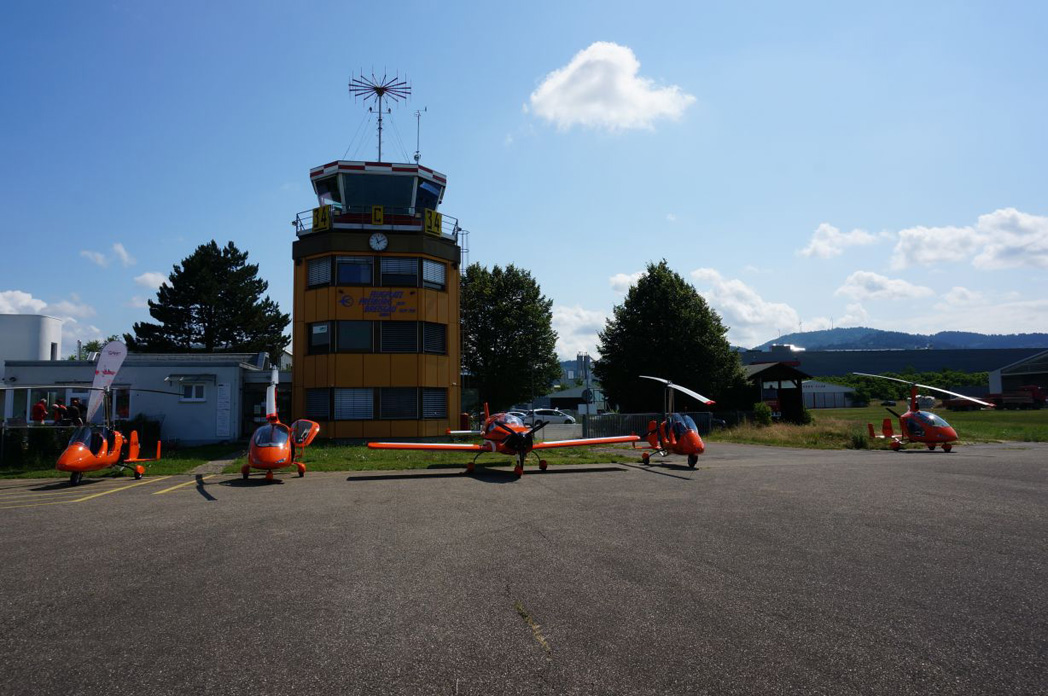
(549, 415)
(887, 402)
(519, 414)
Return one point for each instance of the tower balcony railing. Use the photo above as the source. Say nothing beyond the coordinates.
(365, 217)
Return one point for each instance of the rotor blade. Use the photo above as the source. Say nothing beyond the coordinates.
(657, 379)
(892, 412)
(924, 386)
(690, 393)
(959, 396)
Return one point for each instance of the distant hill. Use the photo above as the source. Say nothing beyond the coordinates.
(861, 338)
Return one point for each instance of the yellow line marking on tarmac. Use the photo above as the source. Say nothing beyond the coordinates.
(123, 488)
(53, 502)
(58, 492)
(187, 483)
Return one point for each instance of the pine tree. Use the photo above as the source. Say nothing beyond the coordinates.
(508, 341)
(212, 302)
(665, 329)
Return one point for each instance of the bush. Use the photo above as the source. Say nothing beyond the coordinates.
(762, 413)
(859, 440)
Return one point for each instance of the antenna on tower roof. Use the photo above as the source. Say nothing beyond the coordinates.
(418, 131)
(378, 89)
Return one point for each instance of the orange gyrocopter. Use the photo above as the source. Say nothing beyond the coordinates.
(275, 445)
(916, 425)
(677, 433)
(93, 447)
(504, 434)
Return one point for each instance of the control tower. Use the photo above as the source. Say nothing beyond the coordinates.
(376, 308)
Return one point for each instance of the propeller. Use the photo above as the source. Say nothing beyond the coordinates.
(521, 440)
(925, 386)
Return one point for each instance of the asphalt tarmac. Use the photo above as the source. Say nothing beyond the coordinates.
(763, 571)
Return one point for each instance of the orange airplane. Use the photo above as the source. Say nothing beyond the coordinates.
(916, 425)
(677, 433)
(505, 434)
(275, 445)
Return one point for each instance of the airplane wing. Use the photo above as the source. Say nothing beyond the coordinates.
(449, 446)
(582, 442)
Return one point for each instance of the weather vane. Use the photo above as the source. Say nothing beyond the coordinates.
(378, 89)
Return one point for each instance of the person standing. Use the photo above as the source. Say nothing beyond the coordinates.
(39, 412)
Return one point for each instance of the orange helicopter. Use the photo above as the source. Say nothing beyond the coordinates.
(916, 425)
(505, 434)
(677, 433)
(275, 445)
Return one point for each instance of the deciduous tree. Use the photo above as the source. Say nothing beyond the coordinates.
(665, 329)
(508, 341)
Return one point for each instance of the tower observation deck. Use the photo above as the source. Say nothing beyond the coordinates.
(376, 303)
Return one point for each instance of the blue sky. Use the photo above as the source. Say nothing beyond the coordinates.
(803, 164)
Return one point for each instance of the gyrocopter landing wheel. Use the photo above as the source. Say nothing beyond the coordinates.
(543, 464)
(301, 469)
(895, 446)
(470, 468)
(518, 470)
(947, 447)
(645, 458)
(139, 471)
(245, 471)
(269, 475)
(693, 459)
(931, 446)
(75, 478)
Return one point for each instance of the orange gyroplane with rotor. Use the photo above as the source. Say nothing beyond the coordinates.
(506, 434)
(917, 425)
(275, 445)
(677, 433)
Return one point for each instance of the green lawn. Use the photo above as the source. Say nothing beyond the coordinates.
(837, 428)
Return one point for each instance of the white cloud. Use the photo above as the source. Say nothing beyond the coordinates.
(865, 285)
(621, 282)
(577, 330)
(138, 302)
(95, 257)
(961, 297)
(18, 302)
(71, 309)
(1005, 238)
(125, 258)
(750, 317)
(827, 241)
(670, 217)
(600, 88)
(1012, 239)
(856, 315)
(151, 280)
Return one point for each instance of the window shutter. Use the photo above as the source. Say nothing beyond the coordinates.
(319, 272)
(434, 338)
(398, 402)
(434, 403)
(354, 404)
(399, 336)
(434, 274)
(318, 403)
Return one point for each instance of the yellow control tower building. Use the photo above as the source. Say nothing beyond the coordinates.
(376, 303)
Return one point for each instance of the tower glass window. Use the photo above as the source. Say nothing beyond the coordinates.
(354, 270)
(399, 336)
(434, 338)
(318, 403)
(354, 337)
(354, 404)
(434, 274)
(319, 272)
(319, 338)
(398, 403)
(400, 271)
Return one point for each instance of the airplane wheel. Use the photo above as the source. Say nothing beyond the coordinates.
(269, 475)
(947, 447)
(245, 471)
(470, 467)
(543, 464)
(931, 447)
(895, 446)
(693, 459)
(518, 470)
(644, 458)
(138, 475)
(75, 478)
(301, 470)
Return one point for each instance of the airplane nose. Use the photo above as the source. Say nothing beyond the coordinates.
(73, 458)
(694, 442)
(949, 433)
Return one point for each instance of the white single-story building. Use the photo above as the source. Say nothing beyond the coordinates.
(826, 395)
(211, 397)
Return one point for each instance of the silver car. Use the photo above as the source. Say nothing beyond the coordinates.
(549, 415)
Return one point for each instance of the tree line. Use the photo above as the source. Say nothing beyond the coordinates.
(214, 301)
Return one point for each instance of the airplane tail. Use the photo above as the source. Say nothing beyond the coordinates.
(886, 427)
(652, 435)
(134, 448)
